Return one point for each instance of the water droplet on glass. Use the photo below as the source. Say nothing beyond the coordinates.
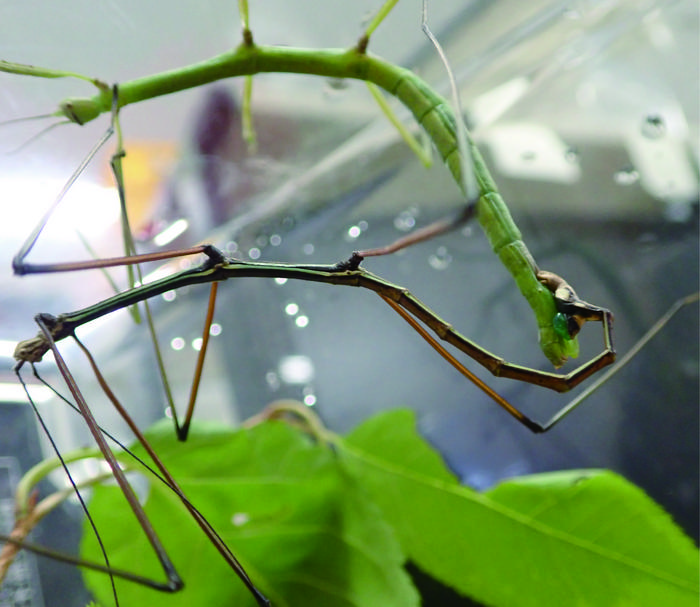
(353, 232)
(335, 88)
(296, 369)
(272, 380)
(689, 368)
(197, 344)
(291, 309)
(308, 249)
(406, 220)
(572, 155)
(653, 127)
(261, 241)
(275, 240)
(363, 225)
(169, 295)
(627, 176)
(301, 321)
(309, 396)
(280, 281)
(215, 329)
(177, 343)
(678, 211)
(647, 239)
(467, 231)
(231, 247)
(337, 84)
(441, 259)
(254, 253)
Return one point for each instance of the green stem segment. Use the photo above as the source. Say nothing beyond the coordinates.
(37, 473)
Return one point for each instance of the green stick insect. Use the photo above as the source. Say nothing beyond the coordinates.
(549, 296)
(556, 337)
(559, 313)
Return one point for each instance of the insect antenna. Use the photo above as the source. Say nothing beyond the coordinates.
(22, 146)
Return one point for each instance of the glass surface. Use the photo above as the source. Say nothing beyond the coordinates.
(587, 115)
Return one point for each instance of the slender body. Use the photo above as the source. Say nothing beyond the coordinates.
(349, 273)
(430, 110)
(548, 295)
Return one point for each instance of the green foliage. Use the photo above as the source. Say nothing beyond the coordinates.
(579, 537)
(318, 524)
(283, 505)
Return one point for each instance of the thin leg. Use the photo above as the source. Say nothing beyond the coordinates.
(169, 482)
(532, 425)
(72, 560)
(18, 265)
(441, 226)
(502, 402)
(109, 262)
(215, 539)
(631, 353)
(174, 582)
(183, 431)
(70, 478)
(495, 364)
(218, 268)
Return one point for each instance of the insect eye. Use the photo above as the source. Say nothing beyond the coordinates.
(566, 326)
(561, 325)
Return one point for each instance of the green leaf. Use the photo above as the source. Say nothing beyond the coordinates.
(315, 526)
(569, 538)
(297, 523)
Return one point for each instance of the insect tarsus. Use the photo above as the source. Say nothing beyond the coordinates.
(32, 350)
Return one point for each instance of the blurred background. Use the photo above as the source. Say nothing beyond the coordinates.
(587, 113)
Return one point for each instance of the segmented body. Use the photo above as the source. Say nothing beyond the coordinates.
(430, 110)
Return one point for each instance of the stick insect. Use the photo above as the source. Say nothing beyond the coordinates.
(431, 111)
(548, 294)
